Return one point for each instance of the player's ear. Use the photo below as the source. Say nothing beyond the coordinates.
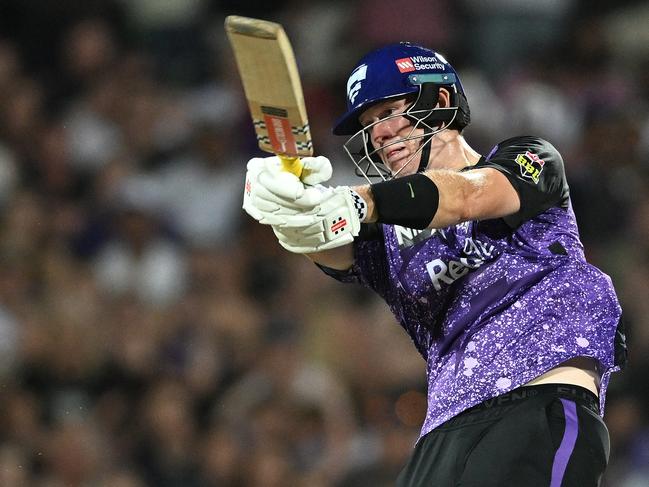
(444, 99)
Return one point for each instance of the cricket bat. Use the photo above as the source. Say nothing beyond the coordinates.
(272, 86)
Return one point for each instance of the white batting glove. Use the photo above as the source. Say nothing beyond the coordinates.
(315, 170)
(268, 187)
(333, 222)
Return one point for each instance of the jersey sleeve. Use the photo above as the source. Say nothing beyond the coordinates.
(369, 268)
(535, 169)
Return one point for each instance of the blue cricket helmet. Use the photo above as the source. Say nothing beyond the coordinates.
(393, 71)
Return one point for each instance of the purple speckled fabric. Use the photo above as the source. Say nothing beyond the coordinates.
(491, 308)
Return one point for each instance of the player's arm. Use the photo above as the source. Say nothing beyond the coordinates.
(521, 178)
(439, 198)
(462, 196)
(340, 258)
(473, 195)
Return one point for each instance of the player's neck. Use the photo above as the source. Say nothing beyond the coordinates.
(450, 150)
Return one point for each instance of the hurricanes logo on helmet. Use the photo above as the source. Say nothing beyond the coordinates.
(354, 82)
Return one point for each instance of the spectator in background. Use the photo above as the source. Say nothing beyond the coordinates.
(196, 190)
(140, 258)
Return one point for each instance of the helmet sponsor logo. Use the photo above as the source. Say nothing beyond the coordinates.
(419, 63)
(531, 165)
(354, 82)
(405, 65)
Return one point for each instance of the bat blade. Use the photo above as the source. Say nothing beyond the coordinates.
(272, 86)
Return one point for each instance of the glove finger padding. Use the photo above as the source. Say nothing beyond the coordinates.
(316, 170)
(282, 184)
(309, 203)
(313, 197)
(268, 188)
(289, 192)
(262, 196)
(273, 210)
(271, 164)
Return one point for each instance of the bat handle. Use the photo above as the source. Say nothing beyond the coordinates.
(292, 165)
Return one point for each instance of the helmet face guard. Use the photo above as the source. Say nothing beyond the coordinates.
(395, 71)
(423, 114)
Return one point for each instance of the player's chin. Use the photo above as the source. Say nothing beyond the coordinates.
(403, 167)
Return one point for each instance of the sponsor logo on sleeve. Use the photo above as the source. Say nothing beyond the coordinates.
(531, 165)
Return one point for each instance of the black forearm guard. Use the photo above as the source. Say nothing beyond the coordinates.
(410, 201)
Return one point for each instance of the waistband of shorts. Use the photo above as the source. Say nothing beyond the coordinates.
(578, 394)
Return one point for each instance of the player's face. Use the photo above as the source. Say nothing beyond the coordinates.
(394, 136)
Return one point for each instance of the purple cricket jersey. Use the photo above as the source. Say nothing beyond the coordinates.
(493, 304)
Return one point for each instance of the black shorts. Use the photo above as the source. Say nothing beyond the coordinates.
(548, 435)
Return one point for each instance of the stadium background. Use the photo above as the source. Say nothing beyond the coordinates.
(152, 335)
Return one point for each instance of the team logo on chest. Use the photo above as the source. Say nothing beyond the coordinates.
(531, 166)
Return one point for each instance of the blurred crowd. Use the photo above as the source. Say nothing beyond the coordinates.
(152, 335)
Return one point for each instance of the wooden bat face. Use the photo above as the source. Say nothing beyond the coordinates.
(272, 86)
